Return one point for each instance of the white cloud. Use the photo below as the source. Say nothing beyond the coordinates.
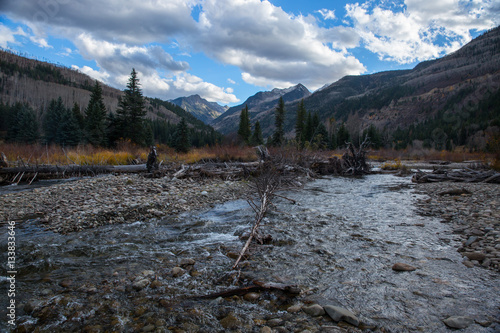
(272, 47)
(187, 84)
(417, 33)
(8, 36)
(128, 21)
(97, 75)
(327, 14)
(119, 58)
(231, 81)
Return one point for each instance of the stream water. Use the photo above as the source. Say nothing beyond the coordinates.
(338, 243)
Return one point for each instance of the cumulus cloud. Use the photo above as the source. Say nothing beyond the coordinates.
(327, 14)
(128, 21)
(414, 33)
(271, 47)
(8, 36)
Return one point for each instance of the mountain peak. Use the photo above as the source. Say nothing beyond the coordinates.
(200, 108)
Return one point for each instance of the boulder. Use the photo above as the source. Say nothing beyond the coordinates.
(314, 310)
(340, 314)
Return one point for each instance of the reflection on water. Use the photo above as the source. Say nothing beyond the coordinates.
(339, 242)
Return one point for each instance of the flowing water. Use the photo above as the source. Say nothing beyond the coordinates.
(338, 243)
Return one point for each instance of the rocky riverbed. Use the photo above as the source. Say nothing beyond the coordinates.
(473, 210)
(113, 199)
(131, 254)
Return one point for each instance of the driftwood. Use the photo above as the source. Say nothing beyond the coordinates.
(465, 176)
(352, 163)
(255, 286)
(266, 184)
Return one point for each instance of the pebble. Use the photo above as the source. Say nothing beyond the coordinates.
(401, 267)
(458, 322)
(178, 271)
(474, 218)
(111, 199)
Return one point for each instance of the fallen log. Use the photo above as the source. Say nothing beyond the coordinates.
(465, 176)
(256, 286)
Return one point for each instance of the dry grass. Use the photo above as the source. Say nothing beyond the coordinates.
(429, 155)
(126, 153)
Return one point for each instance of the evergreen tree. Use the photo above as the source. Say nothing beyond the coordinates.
(374, 136)
(244, 130)
(69, 133)
(342, 136)
(309, 129)
(182, 140)
(256, 138)
(131, 112)
(300, 123)
(112, 129)
(52, 121)
(279, 134)
(77, 114)
(95, 118)
(321, 136)
(27, 125)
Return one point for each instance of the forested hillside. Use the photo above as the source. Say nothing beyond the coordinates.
(32, 91)
(445, 103)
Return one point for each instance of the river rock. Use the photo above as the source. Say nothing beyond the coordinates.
(400, 267)
(230, 322)
(141, 284)
(475, 256)
(187, 262)
(337, 314)
(314, 310)
(458, 322)
(250, 297)
(178, 271)
(266, 329)
(294, 308)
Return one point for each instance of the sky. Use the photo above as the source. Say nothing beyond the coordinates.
(228, 50)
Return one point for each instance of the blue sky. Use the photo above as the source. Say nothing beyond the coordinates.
(227, 50)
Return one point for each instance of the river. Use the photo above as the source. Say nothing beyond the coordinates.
(338, 243)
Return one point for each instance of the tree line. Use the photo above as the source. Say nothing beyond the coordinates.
(98, 126)
(310, 131)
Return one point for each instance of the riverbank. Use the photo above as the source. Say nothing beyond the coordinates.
(472, 210)
(114, 199)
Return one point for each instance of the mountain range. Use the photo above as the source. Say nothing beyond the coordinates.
(456, 94)
(200, 108)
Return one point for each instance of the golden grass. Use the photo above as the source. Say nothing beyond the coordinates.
(126, 153)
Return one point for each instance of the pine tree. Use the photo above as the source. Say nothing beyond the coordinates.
(256, 138)
(27, 125)
(95, 118)
(279, 134)
(131, 111)
(300, 123)
(182, 140)
(342, 136)
(78, 116)
(308, 129)
(52, 121)
(244, 130)
(69, 133)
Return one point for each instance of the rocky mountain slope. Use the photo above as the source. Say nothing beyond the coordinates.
(260, 106)
(37, 83)
(459, 92)
(200, 108)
